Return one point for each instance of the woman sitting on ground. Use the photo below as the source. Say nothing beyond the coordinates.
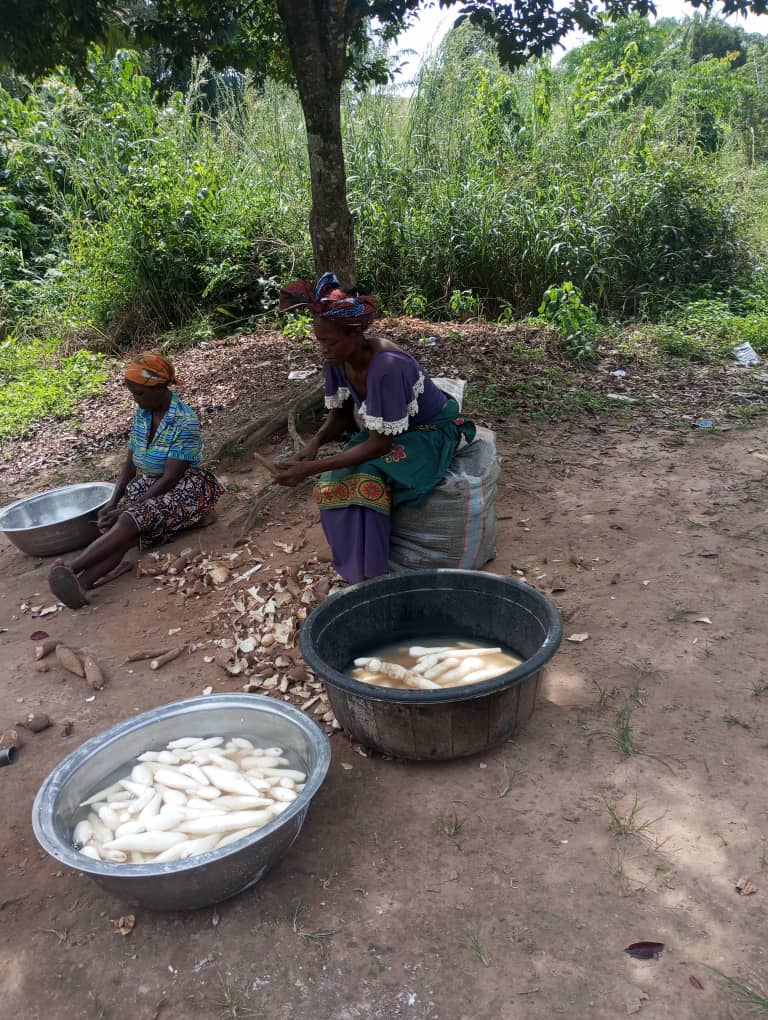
(411, 430)
(164, 486)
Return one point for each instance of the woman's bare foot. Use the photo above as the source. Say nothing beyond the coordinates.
(118, 571)
(66, 587)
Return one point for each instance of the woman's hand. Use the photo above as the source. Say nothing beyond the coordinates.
(291, 472)
(107, 517)
(309, 452)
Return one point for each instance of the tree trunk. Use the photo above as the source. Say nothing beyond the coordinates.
(317, 33)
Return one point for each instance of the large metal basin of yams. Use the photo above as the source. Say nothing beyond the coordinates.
(56, 521)
(209, 877)
(459, 604)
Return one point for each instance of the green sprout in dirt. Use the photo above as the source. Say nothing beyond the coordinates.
(227, 1004)
(629, 824)
(510, 779)
(733, 720)
(451, 824)
(294, 919)
(605, 696)
(755, 999)
(471, 940)
(759, 687)
(622, 738)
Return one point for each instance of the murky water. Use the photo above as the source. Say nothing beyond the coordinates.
(432, 664)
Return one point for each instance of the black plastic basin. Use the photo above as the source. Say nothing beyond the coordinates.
(469, 604)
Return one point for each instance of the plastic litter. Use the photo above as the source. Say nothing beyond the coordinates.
(746, 354)
(619, 373)
(301, 373)
(429, 341)
(705, 423)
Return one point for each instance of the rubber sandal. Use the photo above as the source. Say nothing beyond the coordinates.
(66, 587)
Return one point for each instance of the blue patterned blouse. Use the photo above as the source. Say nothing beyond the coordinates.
(178, 437)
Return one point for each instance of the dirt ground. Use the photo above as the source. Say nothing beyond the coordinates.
(526, 910)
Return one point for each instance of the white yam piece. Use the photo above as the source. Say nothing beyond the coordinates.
(91, 851)
(257, 780)
(142, 774)
(229, 782)
(235, 803)
(196, 773)
(138, 805)
(233, 837)
(426, 662)
(416, 651)
(476, 676)
(364, 661)
(208, 742)
(297, 777)
(166, 821)
(129, 828)
(168, 758)
(135, 788)
(242, 742)
(222, 762)
(146, 842)
(113, 856)
(192, 847)
(224, 823)
(280, 793)
(109, 817)
(169, 796)
(172, 745)
(420, 682)
(462, 653)
(151, 809)
(436, 672)
(101, 795)
(175, 780)
(198, 804)
(137, 858)
(207, 792)
(119, 797)
(287, 783)
(83, 833)
(100, 831)
(149, 756)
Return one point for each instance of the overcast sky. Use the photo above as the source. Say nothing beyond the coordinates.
(434, 23)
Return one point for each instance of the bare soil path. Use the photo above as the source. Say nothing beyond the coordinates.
(524, 912)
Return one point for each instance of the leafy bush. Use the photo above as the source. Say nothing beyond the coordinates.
(574, 321)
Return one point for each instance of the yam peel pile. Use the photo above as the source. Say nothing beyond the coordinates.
(253, 624)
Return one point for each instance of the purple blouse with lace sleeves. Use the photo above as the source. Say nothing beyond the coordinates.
(400, 394)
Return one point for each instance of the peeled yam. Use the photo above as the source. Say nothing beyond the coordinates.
(224, 823)
(146, 842)
(67, 658)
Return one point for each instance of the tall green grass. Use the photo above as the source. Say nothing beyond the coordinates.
(628, 171)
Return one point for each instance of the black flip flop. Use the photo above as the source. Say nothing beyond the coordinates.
(65, 586)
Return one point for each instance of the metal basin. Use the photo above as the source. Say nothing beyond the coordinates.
(56, 521)
(210, 877)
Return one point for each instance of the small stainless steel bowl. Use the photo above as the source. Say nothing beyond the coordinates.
(210, 877)
(56, 521)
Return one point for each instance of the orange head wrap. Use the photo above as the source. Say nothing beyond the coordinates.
(150, 369)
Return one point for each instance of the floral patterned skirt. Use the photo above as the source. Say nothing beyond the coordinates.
(160, 518)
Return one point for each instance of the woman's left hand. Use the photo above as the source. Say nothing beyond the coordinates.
(291, 472)
(107, 518)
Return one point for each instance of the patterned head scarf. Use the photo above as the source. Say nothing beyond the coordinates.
(151, 370)
(327, 299)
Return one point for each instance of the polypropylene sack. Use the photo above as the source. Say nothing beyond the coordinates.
(456, 527)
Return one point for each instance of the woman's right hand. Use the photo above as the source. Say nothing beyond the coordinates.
(309, 452)
(107, 517)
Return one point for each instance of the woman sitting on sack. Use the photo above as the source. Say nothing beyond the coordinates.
(164, 485)
(411, 433)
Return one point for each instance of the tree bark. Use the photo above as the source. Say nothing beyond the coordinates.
(317, 33)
